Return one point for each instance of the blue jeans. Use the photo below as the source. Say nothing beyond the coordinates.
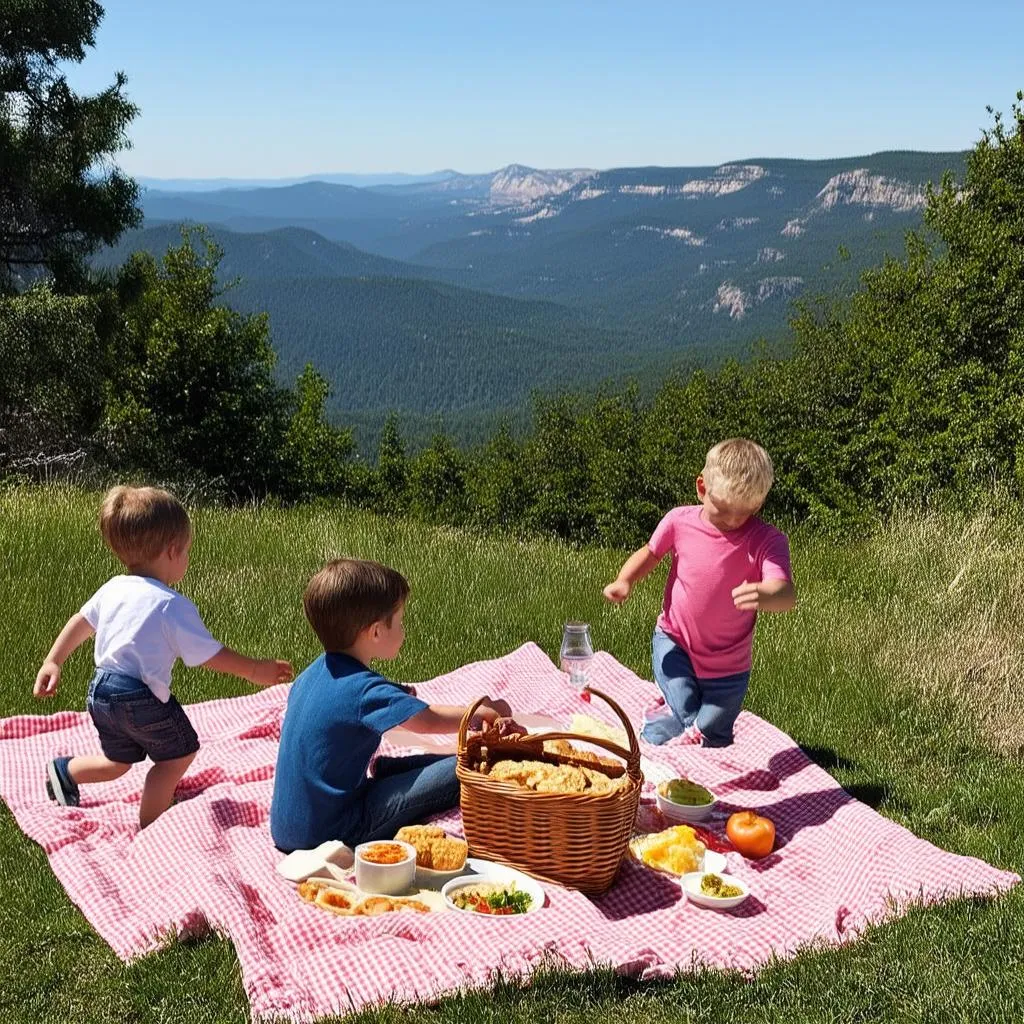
(403, 791)
(712, 704)
(133, 724)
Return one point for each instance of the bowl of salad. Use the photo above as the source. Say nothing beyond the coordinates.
(493, 895)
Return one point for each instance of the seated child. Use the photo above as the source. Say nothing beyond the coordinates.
(339, 707)
(141, 626)
(727, 565)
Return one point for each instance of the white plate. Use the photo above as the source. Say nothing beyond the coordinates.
(712, 861)
(480, 870)
(429, 878)
(691, 886)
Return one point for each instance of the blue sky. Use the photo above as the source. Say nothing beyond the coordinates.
(260, 89)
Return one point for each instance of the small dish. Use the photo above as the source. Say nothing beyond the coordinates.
(691, 884)
(684, 812)
(385, 877)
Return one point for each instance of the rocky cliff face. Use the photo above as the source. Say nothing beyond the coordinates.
(733, 300)
(519, 185)
(860, 188)
(727, 179)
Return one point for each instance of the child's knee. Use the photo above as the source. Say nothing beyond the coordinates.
(175, 766)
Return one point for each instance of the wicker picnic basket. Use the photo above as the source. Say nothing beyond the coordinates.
(574, 839)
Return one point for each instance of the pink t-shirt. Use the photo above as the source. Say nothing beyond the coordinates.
(707, 563)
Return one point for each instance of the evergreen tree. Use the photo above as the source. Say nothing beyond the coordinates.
(60, 198)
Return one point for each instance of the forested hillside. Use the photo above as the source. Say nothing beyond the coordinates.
(616, 274)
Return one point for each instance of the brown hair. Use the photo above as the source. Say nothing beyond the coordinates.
(138, 523)
(349, 594)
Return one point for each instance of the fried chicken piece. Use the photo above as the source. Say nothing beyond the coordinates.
(374, 906)
(563, 747)
(448, 854)
(565, 778)
(602, 784)
(517, 772)
(597, 782)
(422, 837)
(411, 833)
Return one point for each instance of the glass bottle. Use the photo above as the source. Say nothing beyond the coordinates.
(577, 653)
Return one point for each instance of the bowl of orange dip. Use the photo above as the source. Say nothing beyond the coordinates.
(387, 866)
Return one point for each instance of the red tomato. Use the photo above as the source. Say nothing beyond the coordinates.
(751, 834)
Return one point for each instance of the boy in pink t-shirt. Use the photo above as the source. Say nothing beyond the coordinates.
(727, 565)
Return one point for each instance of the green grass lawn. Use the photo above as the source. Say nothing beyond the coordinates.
(899, 673)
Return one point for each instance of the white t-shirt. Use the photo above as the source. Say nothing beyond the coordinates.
(142, 626)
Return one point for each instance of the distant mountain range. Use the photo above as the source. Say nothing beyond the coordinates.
(360, 180)
(462, 292)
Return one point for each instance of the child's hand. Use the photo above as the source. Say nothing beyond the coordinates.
(747, 597)
(618, 591)
(47, 680)
(271, 671)
(489, 712)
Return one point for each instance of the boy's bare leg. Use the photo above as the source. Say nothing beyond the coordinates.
(95, 769)
(158, 791)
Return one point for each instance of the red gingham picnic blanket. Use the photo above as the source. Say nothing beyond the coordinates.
(208, 863)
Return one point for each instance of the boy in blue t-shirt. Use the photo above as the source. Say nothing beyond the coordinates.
(337, 710)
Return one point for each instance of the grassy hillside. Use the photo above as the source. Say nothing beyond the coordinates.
(897, 673)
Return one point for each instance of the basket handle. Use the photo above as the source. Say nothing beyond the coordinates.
(630, 756)
(466, 719)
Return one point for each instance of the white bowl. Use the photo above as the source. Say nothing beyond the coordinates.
(683, 812)
(386, 879)
(691, 886)
(499, 877)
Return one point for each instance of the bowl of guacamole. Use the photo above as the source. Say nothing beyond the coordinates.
(684, 800)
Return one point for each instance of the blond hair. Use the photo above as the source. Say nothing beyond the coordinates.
(738, 470)
(138, 523)
(349, 594)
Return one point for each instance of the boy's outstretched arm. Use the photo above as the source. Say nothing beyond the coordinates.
(636, 567)
(767, 596)
(258, 671)
(72, 636)
(447, 717)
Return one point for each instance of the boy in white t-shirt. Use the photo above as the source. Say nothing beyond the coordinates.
(142, 627)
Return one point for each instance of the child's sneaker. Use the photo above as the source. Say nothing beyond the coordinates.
(59, 784)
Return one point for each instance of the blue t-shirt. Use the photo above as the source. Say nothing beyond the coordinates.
(337, 710)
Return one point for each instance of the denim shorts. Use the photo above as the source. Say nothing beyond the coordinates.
(134, 725)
